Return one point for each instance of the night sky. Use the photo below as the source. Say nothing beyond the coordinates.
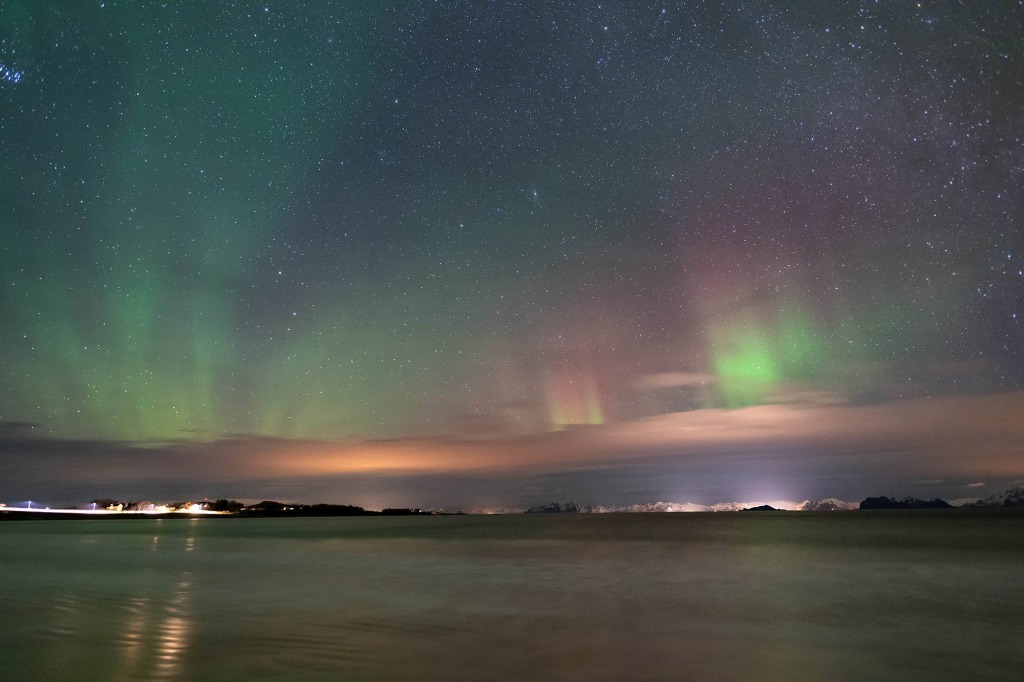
(491, 253)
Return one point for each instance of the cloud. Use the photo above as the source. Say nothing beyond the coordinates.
(772, 451)
(12, 428)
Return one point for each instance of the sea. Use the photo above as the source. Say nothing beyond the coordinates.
(904, 595)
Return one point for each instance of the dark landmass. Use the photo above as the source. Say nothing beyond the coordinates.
(905, 503)
(763, 507)
(272, 508)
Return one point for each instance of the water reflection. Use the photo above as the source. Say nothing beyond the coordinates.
(145, 612)
(155, 635)
(173, 635)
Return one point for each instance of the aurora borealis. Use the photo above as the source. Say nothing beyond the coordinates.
(282, 228)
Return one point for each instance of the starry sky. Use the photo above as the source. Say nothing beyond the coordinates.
(320, 249)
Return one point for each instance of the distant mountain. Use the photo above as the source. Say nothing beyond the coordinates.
(571, 507)
(905, 503)
(1009, 498)
(663, 507)
(828, 504)
(650, 507)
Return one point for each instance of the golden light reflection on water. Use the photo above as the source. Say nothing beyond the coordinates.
(154, 626)
(175, 627)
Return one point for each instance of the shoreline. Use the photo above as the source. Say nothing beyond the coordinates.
(17, 514)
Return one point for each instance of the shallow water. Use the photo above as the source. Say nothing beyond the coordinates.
(799, 596)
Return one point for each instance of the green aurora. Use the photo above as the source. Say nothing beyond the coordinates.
(337, 223)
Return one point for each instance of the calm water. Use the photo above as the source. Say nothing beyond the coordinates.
(895, 596)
